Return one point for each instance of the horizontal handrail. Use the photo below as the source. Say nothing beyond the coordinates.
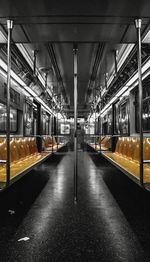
(146, 161)
(3, 161)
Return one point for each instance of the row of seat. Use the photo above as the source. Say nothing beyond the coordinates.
(49, 143)
(126, 155)
(103, 143)
(23, 155)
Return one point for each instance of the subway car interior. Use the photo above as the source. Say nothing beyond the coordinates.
(74, 131)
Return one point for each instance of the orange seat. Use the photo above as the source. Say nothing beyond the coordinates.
(49, 143)
(127, 155)
(23, 155)
(105, 143)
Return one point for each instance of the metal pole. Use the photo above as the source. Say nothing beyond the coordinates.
(95, 120)
(53, 137)
(106, 80)
(46, 75)
(57, 121)
(115, 58)
(100, 126)
(138, 23)
(9, 27)
(57, 131)
(34, 62)
(75, 123)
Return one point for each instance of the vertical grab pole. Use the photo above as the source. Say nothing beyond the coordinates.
(34, 62)
(9, 27)
(100, 122)
(57, 125)
(115, 58)
(57, 132)
(138, 23)
(95, 129)
(52, 132)
(95, 120)
(75, 122)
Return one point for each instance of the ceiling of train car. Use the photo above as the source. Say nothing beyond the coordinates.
(86, 22)
(123, 8)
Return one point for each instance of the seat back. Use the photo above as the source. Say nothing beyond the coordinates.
(21, 148)
(130, 148)
(125, 146)
(46, 143)
(106, 142)
(146, 149)
(120, 149)
(25, 142)
(118, 145)
(14, 152)
(3, 149)
(33, 145)
(136, 144)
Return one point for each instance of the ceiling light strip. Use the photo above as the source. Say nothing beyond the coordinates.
(22, 84)
(132, 82)
(29, 60)
(126, 53)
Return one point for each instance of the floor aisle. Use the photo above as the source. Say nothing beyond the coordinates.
(94, 229)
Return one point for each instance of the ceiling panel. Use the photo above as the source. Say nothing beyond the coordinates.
(69, 7)
(18, 35)
(74, 33)
(64, 55)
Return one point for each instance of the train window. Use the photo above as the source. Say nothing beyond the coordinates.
(46, 123)
(123, 123)
(146, 110)
(14, 95)
(146, 92)
(146, 115)
(116, 118)
(28, 119)
(3, 118)
(107, 123)
(35, 119)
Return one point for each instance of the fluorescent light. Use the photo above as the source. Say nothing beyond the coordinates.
(3, 39)
(146, 39)
(30, 62)
(126, 51)
(130, 84)
(25, 54)
(22, 84)
(123, 92)
(17, 78)
(125, 54)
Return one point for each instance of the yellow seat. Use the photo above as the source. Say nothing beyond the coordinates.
(127, 155)
(105, 143)
(23, 155)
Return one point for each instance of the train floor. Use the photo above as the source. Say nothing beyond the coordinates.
(39, 220)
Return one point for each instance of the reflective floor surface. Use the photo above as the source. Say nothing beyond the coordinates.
(110, 221)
